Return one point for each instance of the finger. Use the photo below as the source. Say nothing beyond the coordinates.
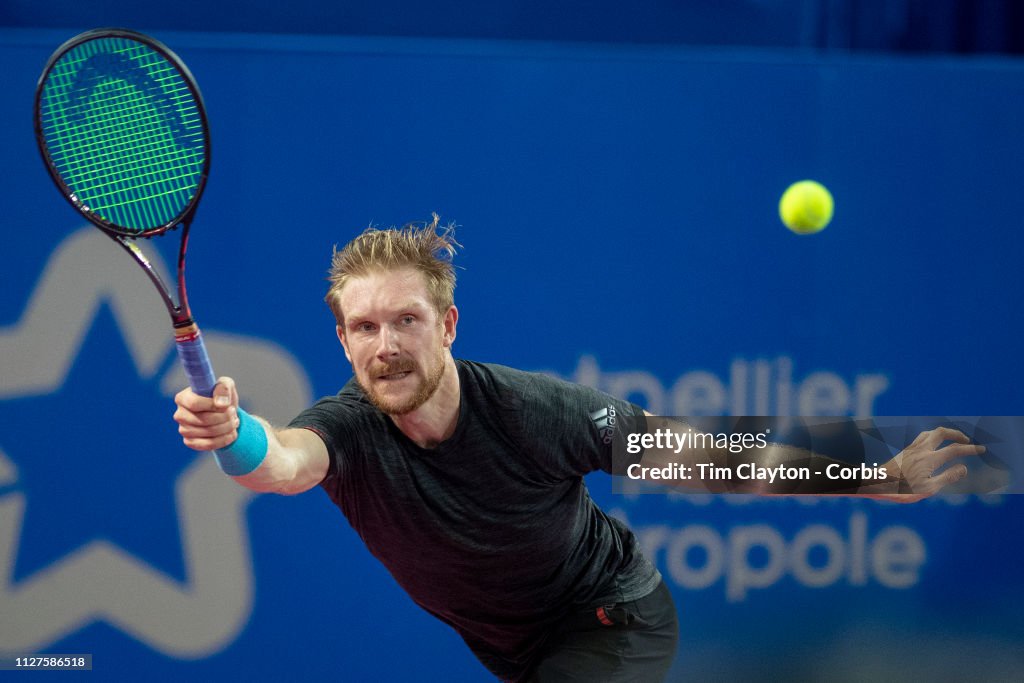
(957, 450)
(216, 421)
(186, 417)
(921, 438)
(224, 394)
(218, 429)
(210, 444)
(191, 401)
(942, 434)
(947, 477)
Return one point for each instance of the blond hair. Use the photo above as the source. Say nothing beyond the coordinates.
(416, 245)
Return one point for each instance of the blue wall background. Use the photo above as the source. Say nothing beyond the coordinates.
(917, 26)
(617, 204)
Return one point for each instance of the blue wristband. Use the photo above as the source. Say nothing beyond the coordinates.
(248, 450)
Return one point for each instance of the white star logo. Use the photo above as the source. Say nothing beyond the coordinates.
(100, 581)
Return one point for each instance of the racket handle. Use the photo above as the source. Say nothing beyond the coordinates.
(196, 362)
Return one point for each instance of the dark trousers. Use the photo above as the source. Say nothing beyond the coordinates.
(629, 641)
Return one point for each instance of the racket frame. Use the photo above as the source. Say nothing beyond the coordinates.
(186, 332)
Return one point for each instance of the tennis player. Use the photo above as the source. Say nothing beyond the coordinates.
(465, 479)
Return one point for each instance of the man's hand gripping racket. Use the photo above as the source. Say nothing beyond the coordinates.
(122, 129)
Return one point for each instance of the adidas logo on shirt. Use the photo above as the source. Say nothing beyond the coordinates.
(605, 421)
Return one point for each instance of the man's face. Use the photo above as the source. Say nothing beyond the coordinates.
(394, 338)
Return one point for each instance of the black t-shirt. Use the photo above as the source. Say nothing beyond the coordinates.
(492, 531)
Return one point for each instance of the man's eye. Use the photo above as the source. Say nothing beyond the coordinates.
(408, 320)
(364, 327)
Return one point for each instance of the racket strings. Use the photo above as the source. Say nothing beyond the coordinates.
(124, 132)
(119, 157)
(120, 162)
(116, 166)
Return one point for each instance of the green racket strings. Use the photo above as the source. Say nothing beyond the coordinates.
(124, 133)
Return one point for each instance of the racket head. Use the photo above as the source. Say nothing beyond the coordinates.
(122, 129)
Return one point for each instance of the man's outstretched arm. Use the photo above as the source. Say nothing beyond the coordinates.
(915, 473)
(256, 455)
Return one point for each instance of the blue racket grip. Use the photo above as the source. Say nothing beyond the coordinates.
(194, 358)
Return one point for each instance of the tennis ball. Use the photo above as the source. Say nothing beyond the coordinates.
(806, 207)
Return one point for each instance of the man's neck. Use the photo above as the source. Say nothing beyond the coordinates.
(435, 420)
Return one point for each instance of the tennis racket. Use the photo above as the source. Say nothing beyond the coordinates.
(122, 129)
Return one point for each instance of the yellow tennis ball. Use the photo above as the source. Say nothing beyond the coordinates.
(806, 207)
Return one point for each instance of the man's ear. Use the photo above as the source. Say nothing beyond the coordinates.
(450, 322)
(344, 344)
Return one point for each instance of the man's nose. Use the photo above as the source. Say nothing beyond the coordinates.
(387, 344)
